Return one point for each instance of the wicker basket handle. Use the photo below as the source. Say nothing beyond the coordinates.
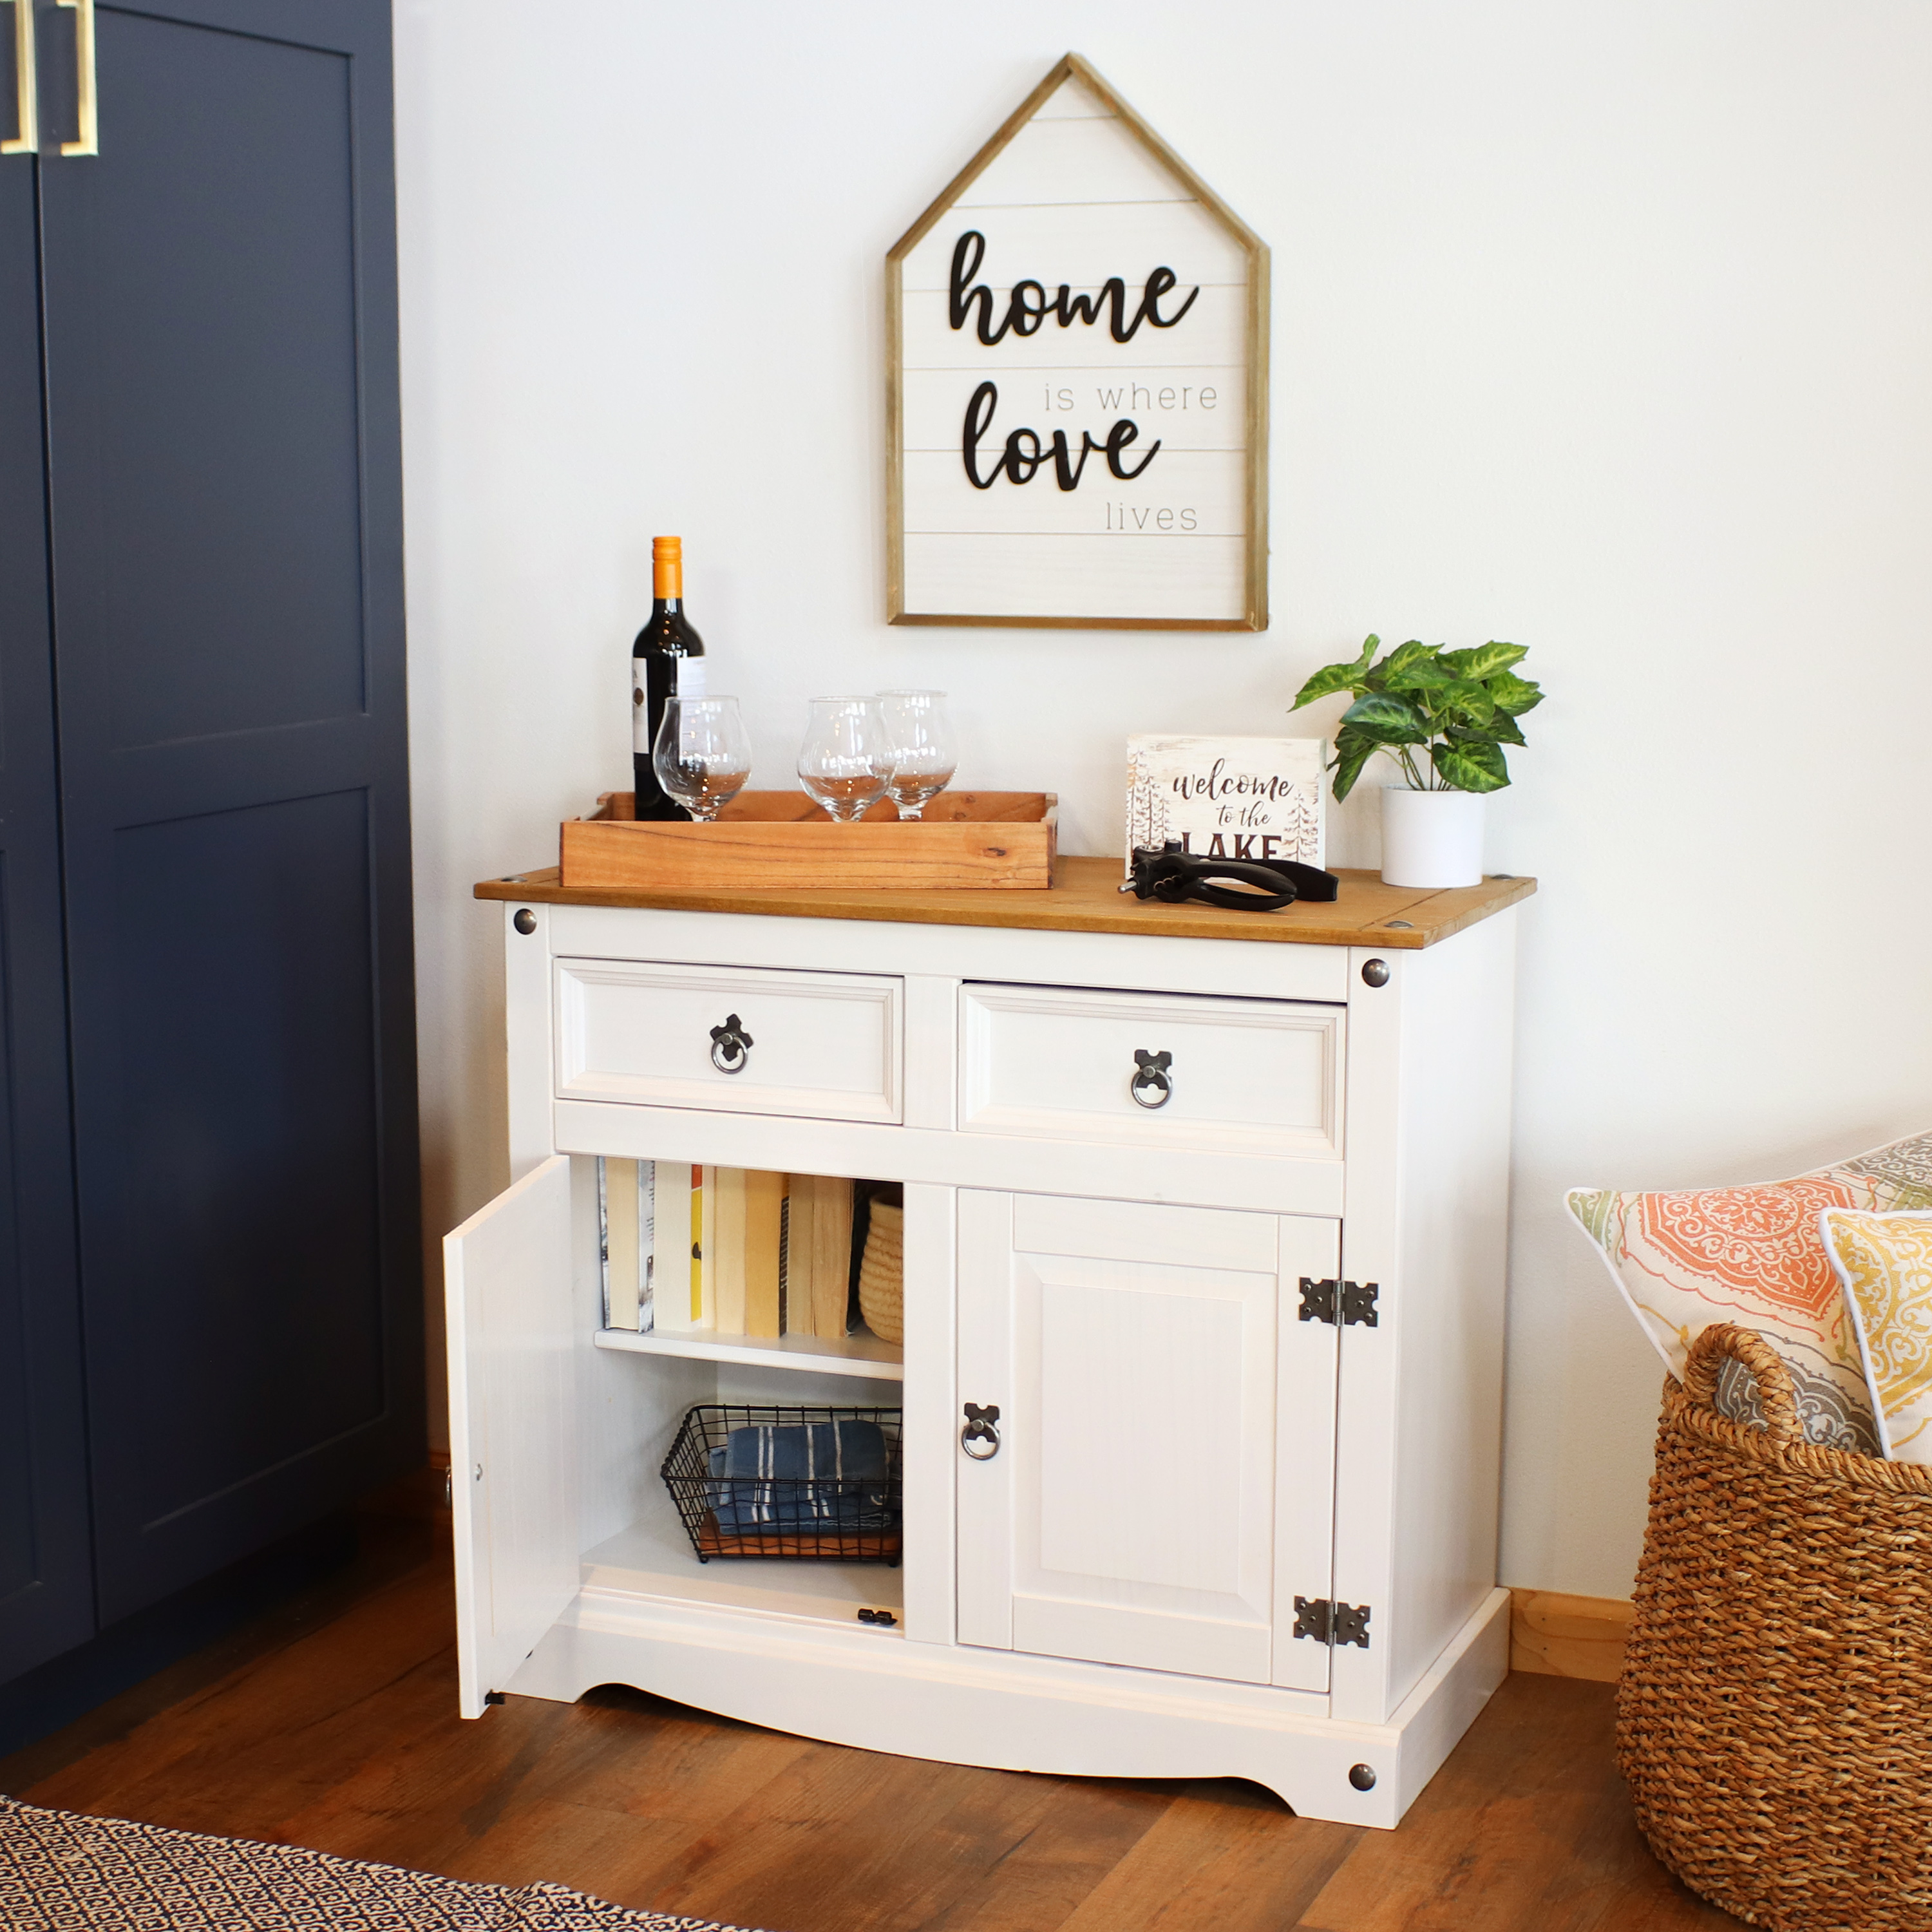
(1723, 1341)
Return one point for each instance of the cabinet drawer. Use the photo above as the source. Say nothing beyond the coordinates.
(824, 1045)
(1243, 1076)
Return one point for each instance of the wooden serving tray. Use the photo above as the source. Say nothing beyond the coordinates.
(781, 841)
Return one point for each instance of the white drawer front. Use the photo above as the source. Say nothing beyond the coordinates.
(1246, 1076)
(824, 1045)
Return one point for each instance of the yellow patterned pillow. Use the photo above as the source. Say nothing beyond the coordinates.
(1885, 1263)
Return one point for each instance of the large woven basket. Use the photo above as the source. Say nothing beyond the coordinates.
(1775, 1713)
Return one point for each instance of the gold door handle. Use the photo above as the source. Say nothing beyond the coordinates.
(89, 143)
(26, 94)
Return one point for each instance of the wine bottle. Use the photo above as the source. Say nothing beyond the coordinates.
(667, 661)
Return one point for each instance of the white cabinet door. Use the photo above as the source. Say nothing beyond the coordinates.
(513, 1427)
(1162, 1487)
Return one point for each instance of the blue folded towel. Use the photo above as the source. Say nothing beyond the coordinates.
(829, 1476)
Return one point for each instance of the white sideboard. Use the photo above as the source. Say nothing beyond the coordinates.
(1246, 1344)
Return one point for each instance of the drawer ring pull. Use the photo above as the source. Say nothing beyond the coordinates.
(1150, 1087)
(982, 1425)
(731, 1046)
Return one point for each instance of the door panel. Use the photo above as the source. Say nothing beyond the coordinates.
(513, 1425)
(224, 456)
(46, 1586)
(1132, 1515)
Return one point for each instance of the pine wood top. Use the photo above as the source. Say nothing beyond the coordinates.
(1085, 898)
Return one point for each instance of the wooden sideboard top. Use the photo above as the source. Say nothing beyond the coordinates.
(1085, 898)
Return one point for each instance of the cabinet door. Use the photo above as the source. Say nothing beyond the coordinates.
(46, 1576)
(512, 1426)
(224, 458)
(1163, 1486)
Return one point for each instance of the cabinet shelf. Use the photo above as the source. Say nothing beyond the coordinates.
(863, 1355)
(653, 1558)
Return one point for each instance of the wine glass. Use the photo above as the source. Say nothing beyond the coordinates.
(846, 761)
(925, 753)
(703, 755)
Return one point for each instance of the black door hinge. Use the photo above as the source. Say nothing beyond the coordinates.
(1328, 1622)
(1339, 1303)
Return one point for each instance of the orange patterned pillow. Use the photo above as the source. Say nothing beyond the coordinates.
(1753, 1256)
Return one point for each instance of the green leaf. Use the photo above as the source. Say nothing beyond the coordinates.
(1332, 678)
(1403, 655)
(1425, 673)
(1389, 720)
(1464, 702)
(1500, 729)
(1470, 767)
(1354, 748)
(1485, 661)
(1513, 695)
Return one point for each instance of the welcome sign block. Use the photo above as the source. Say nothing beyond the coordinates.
(1078, 329)
(1228, 798)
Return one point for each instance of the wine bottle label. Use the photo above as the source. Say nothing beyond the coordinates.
(691, 677)
(641, 711)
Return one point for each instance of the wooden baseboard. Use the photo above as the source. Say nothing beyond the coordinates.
(1557, 1635)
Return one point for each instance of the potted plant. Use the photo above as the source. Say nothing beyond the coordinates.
(1457, 708)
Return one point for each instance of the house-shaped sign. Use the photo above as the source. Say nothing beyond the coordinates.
(1078, 406)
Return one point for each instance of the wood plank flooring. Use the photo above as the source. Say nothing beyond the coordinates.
(332, 1724)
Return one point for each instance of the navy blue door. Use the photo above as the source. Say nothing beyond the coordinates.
(47, 1591)
(223, 461)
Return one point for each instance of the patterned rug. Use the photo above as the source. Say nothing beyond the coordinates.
(62, 1871)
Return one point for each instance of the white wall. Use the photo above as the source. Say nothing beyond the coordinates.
(1600, 329)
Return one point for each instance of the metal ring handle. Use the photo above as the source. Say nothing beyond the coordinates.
(731, 1046)
(1151, 1078)
(982, 1425)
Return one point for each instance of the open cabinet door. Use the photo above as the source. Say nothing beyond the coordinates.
(512, 1427)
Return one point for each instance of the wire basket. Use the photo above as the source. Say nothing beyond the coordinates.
(817, 1485)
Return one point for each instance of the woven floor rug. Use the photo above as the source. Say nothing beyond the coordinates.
(62, 1871)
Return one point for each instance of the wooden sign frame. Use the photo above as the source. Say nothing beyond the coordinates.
(1255, 616)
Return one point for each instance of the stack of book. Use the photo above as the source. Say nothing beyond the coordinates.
(723, 1250)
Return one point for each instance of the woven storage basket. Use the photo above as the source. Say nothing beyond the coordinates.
(882, 1274)
(1774, 1712)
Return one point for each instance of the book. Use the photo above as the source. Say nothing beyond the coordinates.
(677, 1272)
(727, 1249)
(831, 1255)
(704, 1245)
(623, 1212)
(795, 1282)
(764, 1204)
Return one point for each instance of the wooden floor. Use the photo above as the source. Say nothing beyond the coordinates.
(332, 1724)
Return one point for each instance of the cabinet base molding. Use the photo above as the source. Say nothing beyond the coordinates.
(878, 1690)
(1556, 1635)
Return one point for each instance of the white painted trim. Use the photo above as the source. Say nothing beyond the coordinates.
(526, 1031)
(1018, 1163)
(849, 1685)
(862, 1355)
(1133, 961)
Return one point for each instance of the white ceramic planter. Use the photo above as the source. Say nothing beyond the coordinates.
(1432, 837)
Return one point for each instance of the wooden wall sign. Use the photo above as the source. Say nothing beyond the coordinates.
(1078, 397)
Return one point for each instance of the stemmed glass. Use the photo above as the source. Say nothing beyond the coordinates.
(703, 755)
(846, 761)
(925, 753)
